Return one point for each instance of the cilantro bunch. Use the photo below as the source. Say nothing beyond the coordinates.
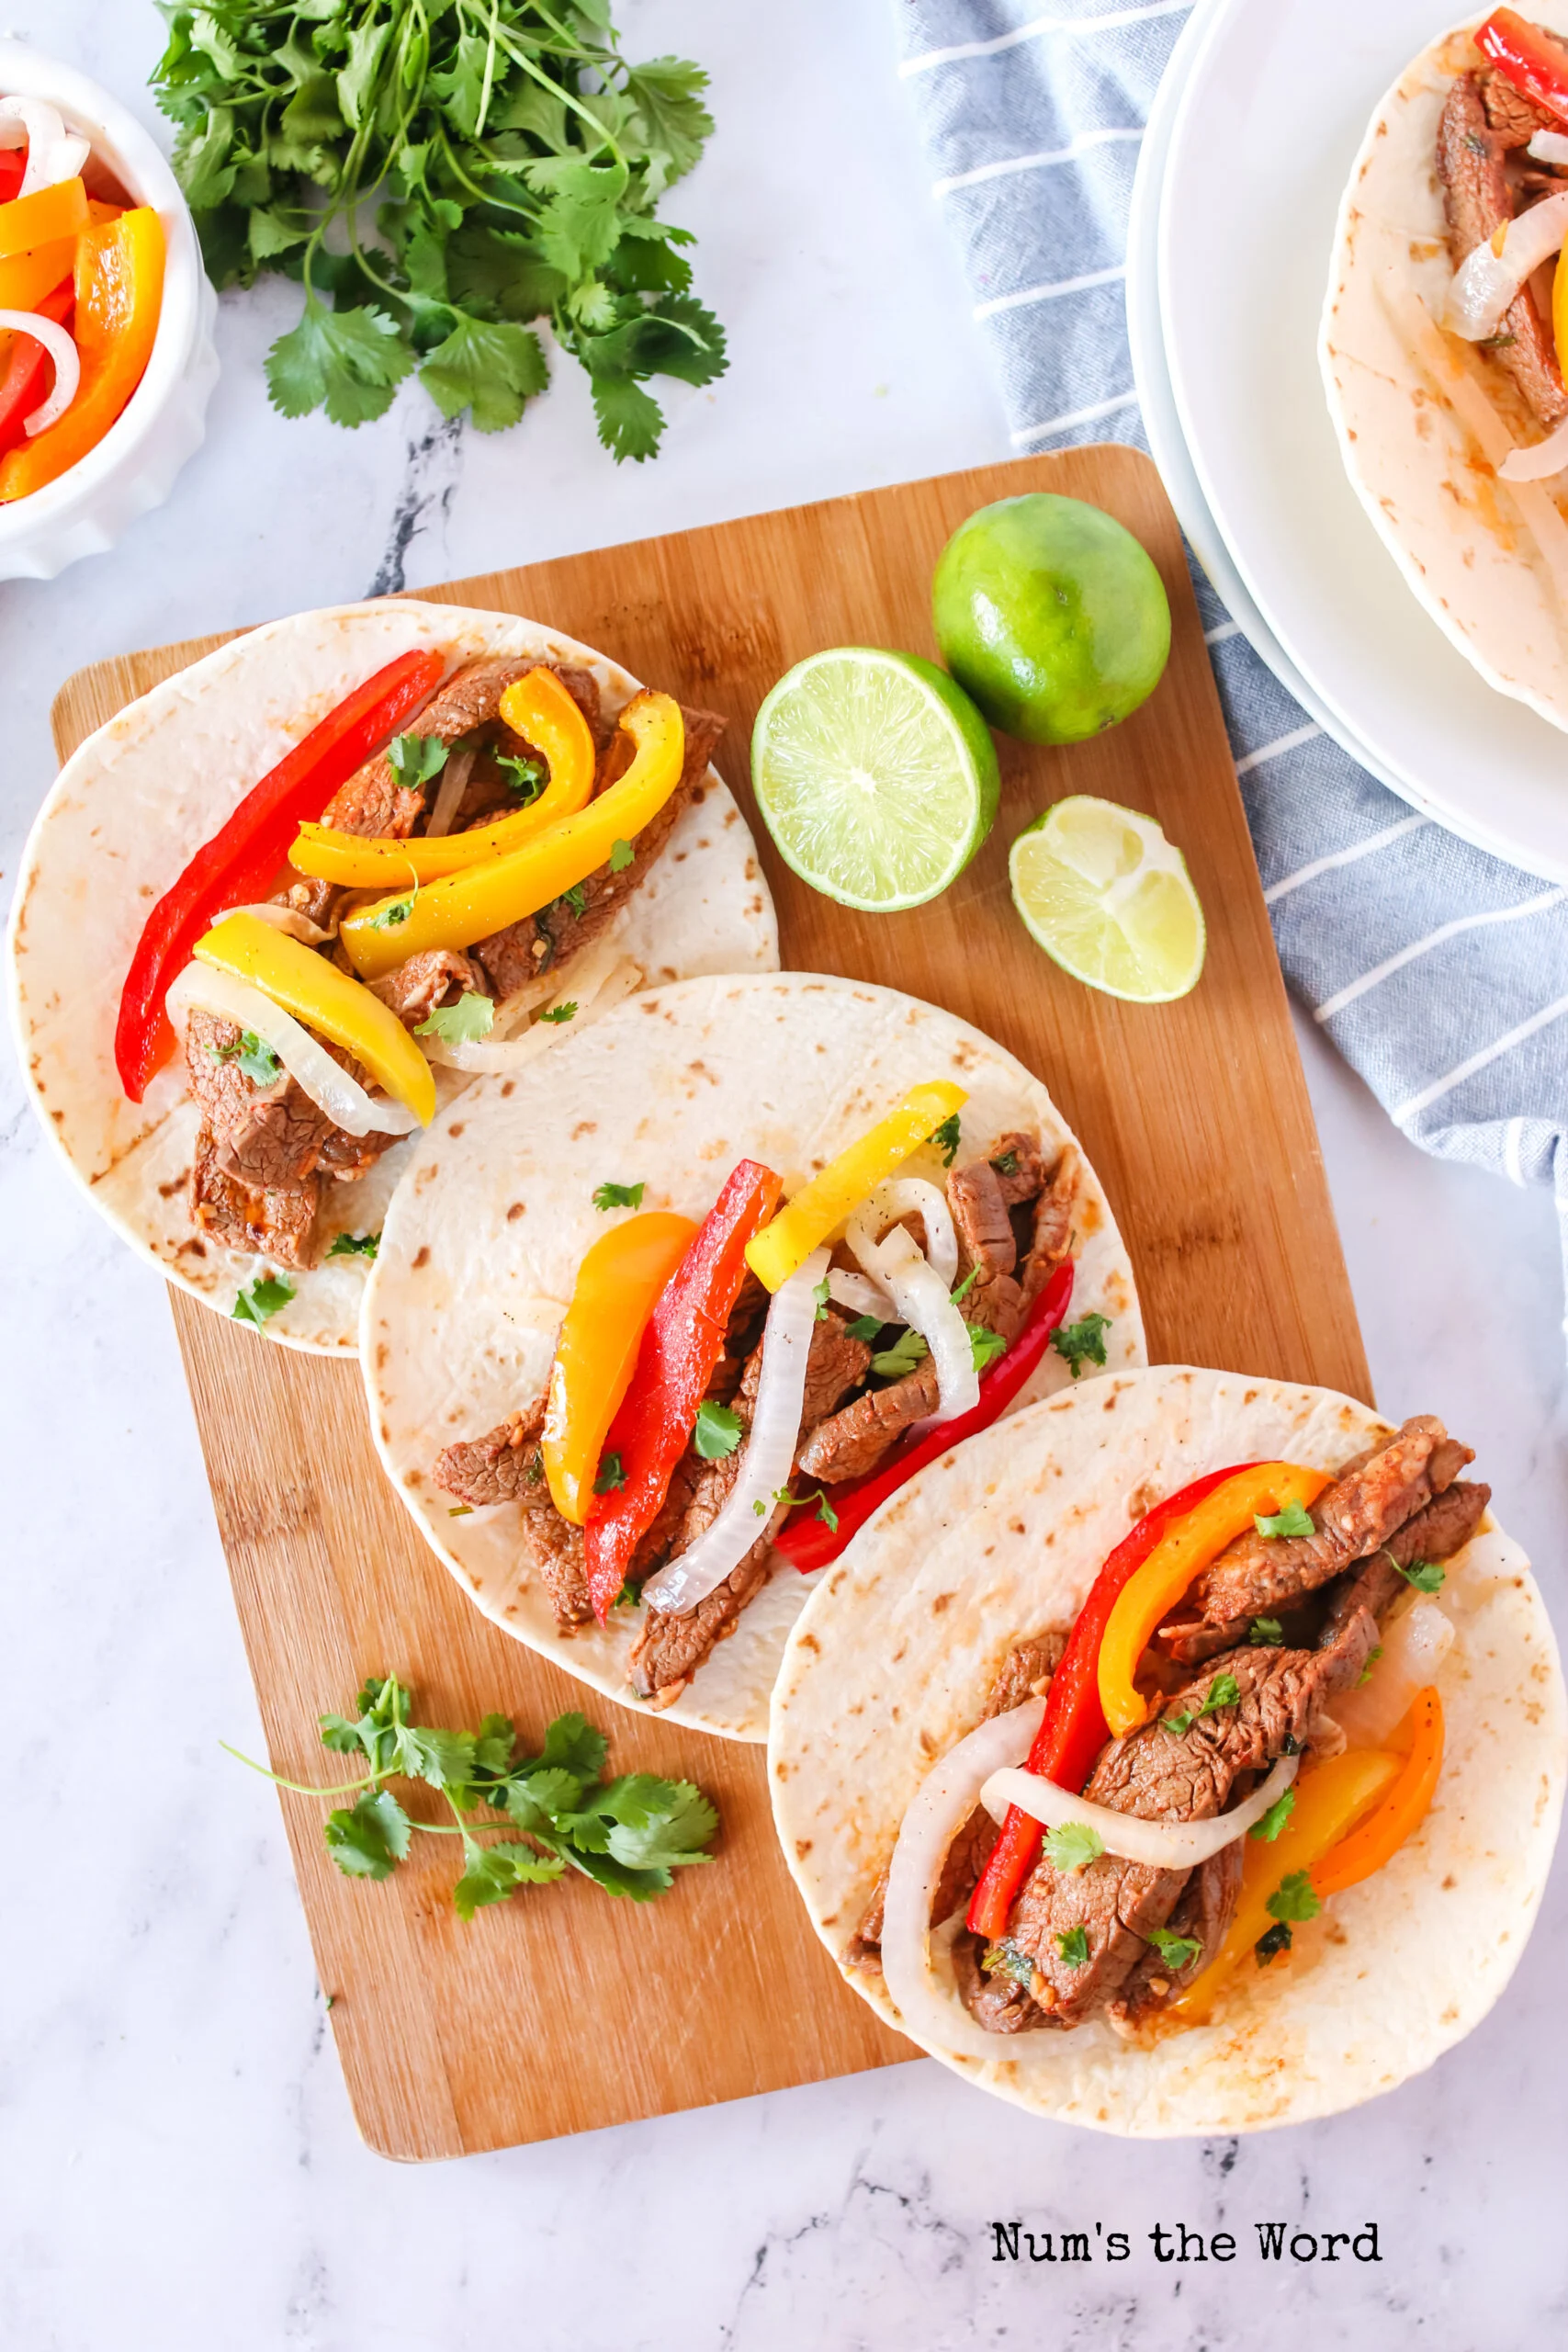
(437, 173)
(629, 1835)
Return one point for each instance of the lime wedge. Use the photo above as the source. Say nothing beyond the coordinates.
(1106, 895)
(874, 775)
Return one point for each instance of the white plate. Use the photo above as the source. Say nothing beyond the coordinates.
(1277, 98)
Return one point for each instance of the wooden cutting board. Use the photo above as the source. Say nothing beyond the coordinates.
(563, 2011)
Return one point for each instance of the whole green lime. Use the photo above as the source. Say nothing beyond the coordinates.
(1051, 616)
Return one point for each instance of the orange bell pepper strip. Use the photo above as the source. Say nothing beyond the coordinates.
(120, 292)
(619, 1286)
(1181, 1555)
(1331, 1799)
(482, 900)
(536, 706)
(1402, 1810)
(41, 219)
(26, 279)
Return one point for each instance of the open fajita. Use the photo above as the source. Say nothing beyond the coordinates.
(1186, 1756)
(1445, 336)
(645, 1345)
(277, 911)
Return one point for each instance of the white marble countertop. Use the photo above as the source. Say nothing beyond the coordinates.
(177, 2161)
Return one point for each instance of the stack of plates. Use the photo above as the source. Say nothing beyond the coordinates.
(1247, 154)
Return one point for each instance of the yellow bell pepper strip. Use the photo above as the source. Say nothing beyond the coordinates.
(481, 899)
(120, 293)
(619, 1286)
(1560, 306)
(26, 279)
(829, 1197)
(1331, 1799)
(327, 1001)
(1402, 1810)
(43, 218)
(537, 708)
(1181, 1555)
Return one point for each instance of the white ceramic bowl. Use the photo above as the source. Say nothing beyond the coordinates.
(133, 467)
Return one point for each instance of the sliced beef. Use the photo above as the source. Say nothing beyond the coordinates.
(276, 1221)
(1444, 1527)
(1514, 118)
(548, 941)
(854, 1439)
(266, 1137)
(436, 976)
(1478, 199)
(508, 1467)
(671, 1646)
(373, 803)
(1201, 1912)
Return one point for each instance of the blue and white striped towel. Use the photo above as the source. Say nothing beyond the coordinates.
(1440, 973)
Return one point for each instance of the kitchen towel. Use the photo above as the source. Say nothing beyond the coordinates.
(1440, 973)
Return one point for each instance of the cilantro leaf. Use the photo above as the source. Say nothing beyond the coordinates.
(462, 1023)
(391, 912)
(621, 856)
(1081, 1342)
(1292, 1521)
(945, 1138)
(494, 1872)
(619, 1196)
(572, 1742)
(1072, 1945)
(1266, 1827)
(370, 1838)
(1224, 1692)
(1008, 1960)
(1006, 1163)
(717, 1431)
(1424, 1575)
(1366, 1674)
(1266, 1633)
(664, 93)
(612, 1477)
(1072, 1845)
(490, 367)
(556, 1013)
(257, 1060)
(1173, 1950)
(821, 1294)
(355, 1245)
(348, 362)
(576, 899)
(864, 1327)
(630, 421)
(1293, 1898)
(259, 1300)
(966, 1287)
(985, 1346)
(415, 758)
(1277, 1939)
(527, 778)
(909, 1351)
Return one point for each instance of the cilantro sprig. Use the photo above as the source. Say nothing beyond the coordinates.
(630, 1834)
(1222, 1691)
(462, 1023)
(511, 161)
(1081, 1342)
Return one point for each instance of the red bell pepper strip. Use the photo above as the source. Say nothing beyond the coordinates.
(811, 1543)
(1527, 57)
(28, 371)
(681, 1342)
(13, 171)
(239, 861)
(1073, 1729)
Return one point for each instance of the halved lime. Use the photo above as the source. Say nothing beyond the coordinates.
(875, 776)
(1109, 898)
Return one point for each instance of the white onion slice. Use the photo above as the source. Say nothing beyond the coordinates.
(54, 154)
(901, 1196)
(67, 363)
(769, 1457)
(328, 1084)
(1164, 1845)
(1537, 460)
(449, 799)
(860, 1294)
(591, 991)
(923, 1302)
(1413, 1646)
(1549, 147)
(1486, 283)
(288, 920)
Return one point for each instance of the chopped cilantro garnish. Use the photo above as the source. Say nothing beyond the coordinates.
(945, 1138)
(1081, 1342)
(825, 1511)
(1072, 1945)
(907, 1350)
(985, 1346)
(566, 1011)
(620, 1196)
(717, 1431)
(819, 1294)
(355, 1245)
(1267, 1827)
(1366, 1673)
(966, 1287)
(258, 1061)
(463, 1023)
(260, 1300)
(627, 1597)
(865, 1327)
(1072, 1845)
(414, 759)
(612, 1477)
(1222, 1691)
(621, 856)
(1007, 1960)
(1293, 1898)
(1424, 1575)
(1173, 1950)
(1292, 1521)
(394, 911)
(576, 899)
(1266, 1633)
(1006, 1163)
(1277, 1939)
(524, 777)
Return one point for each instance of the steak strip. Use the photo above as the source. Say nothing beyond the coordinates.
(1477, 199)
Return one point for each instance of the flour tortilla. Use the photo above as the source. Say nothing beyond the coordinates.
(669, 1090)
(1489, 562)
(888, 1668)
(127, 813)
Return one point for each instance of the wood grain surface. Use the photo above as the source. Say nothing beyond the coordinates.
(563, 2011)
